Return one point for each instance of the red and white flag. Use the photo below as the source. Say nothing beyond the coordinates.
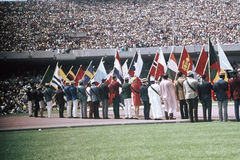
(202, 62)
(161, 67)
(152, 71)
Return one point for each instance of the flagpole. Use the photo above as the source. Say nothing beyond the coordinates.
(87, 68)
(55, 70)
(206, 63)
(199, 59)
(67, 73)
(180, 57)
(132, 61)
(44, 75)
(152, 65)
(209, 58)
(125, 62)
(157, 62)
(77, 72)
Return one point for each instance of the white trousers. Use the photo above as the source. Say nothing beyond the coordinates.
(30, 108)
(128, 103)
(75, 107)
(157, 111)
(69, 107)
(49, 109)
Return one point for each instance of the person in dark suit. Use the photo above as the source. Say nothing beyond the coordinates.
(35, 99)
(29, 99)
(145, 98)
(204, 94)
(60, 101)
(94, 93)
(220, 87)
(104, 90)
(235, 91)
(114, 93)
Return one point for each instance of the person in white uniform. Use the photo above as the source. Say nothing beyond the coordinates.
(155, 99)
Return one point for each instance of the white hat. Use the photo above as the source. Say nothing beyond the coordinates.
(152, 79)
(93, 81)
(80, 81)
(189, 73)
(72, 82)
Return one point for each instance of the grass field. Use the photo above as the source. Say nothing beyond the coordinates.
(212, 140)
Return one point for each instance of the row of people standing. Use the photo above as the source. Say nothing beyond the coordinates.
(188, 91)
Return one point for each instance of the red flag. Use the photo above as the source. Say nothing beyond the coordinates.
(202, 62)
(161, 67)
(185, 62)
(79, 75)
(152, 71)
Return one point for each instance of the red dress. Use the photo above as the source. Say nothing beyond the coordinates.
(136, 94)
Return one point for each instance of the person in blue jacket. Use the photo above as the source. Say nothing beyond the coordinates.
(73, 91)
(220, 87)
(69, 99)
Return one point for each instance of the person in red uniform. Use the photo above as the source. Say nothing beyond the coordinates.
(235, 91)
(114, 94)
(135, 87)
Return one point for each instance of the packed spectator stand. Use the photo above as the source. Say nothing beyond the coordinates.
(38, 25)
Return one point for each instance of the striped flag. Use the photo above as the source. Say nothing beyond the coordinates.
(118, 68)
(172, 68)
(88, 74)
(57, 79)
(161, 67)
(71, 76)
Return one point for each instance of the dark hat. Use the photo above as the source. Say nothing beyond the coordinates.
(103, 80)
(165, 76)
(39, 89)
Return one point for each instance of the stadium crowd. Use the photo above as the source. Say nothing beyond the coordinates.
(38, 25)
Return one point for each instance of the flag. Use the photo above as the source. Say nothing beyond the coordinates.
(57, 79)
(153, 68)
(71, 76)
(141, 71)
(125, 70)
(172, 67)
(109, 77)
(100, 73)
(132, 67)
(214, 63)
(79, 75)
(88, 74)
(161, 66)
(185, 62)
(224, 63)
(202, 62)
(118, 68)
(47, 76)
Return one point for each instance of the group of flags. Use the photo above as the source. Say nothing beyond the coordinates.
(210, 65)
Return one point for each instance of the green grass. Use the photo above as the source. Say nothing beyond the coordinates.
(212, 140)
